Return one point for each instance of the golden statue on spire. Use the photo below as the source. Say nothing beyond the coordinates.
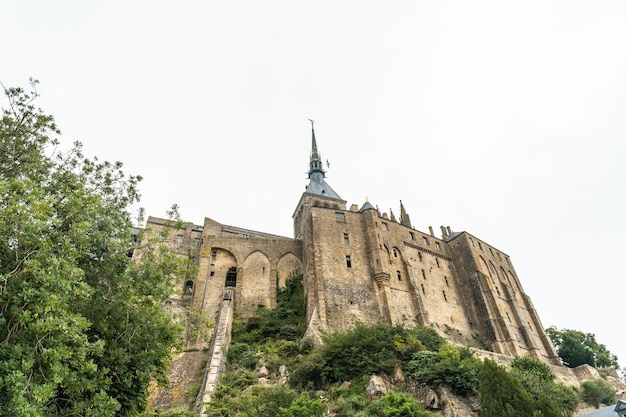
(311, 120)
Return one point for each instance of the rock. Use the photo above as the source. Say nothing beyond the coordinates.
(454, 406)
(264, 381)
(376, 388)
(427, 396)
(283, 375)
(263, 372)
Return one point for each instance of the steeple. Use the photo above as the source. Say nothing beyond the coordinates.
(316, 164)
(317, 185)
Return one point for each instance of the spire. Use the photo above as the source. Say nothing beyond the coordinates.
(317, 185)
(315, 165)
(404, 217)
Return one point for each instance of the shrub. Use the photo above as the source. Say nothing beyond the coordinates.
(597, 391)
(455, 367)
(397, 404)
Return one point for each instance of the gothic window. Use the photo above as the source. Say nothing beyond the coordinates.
(348, 261)
(346, 239)
(340, 217)
(231, 277)
(188, 288)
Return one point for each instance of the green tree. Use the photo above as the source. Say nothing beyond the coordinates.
(502, 395)
(397, 404)
(576, 348)
(82, 331)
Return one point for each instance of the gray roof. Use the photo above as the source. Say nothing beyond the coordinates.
(318, 186)
(366, 206)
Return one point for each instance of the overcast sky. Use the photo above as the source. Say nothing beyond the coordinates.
(506, 119)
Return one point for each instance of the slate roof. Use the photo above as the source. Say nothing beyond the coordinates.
(318, 186)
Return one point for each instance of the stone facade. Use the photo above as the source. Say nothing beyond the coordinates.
(363, 266)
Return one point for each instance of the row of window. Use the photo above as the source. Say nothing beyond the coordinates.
(497, 254)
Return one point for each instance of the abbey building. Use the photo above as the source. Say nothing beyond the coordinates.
(363, 266)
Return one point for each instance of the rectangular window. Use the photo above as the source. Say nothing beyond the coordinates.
(213, 255)
(425, 239)
(412, 235)
(212, 273)
(340, 217)
(348, 261)
(385, 227)
(438, 246)
(346, 239)
(196, 242)
(179, 240)
(399, 276)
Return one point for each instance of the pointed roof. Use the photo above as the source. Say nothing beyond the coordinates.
(317, 184)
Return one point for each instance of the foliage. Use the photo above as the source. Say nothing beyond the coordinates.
(508, 394)
(82, 331)
(367, 349)
(538, 380)
(286, 321)
(597, 391)
(576, 348)
(303, 406)
(453, 366)
(397, 404)
(502, 394)
(258, 401)
(172, 412)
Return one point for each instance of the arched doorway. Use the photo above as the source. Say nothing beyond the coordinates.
(231, 277)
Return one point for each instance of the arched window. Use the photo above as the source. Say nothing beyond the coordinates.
(231, 277)
(188, 290)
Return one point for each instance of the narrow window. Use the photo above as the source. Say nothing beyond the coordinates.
(212, 273)
(346, 239)
(412, 235)
(188, 288)
(340, 217)
(438, 246)
(480, 246)
(471, 241)
(491, 251)
(425, 239)
(263, 271)
(395, 253)
(446, 278)
(499, 258)
(419, 254)
(444, 296)
(508, 317)
(423, 289)
(399, 276)
(213, 254)
(384, 225)
(437, 260)
(348, 261)
(423, 274)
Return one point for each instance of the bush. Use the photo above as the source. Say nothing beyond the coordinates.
(368, 349)
(597, 391)
(455, 367)
(397, 404)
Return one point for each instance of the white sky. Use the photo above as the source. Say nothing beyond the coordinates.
(502, 118)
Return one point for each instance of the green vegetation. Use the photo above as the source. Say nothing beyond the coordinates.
(576, 348)
(597, 391)
(82, 331)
